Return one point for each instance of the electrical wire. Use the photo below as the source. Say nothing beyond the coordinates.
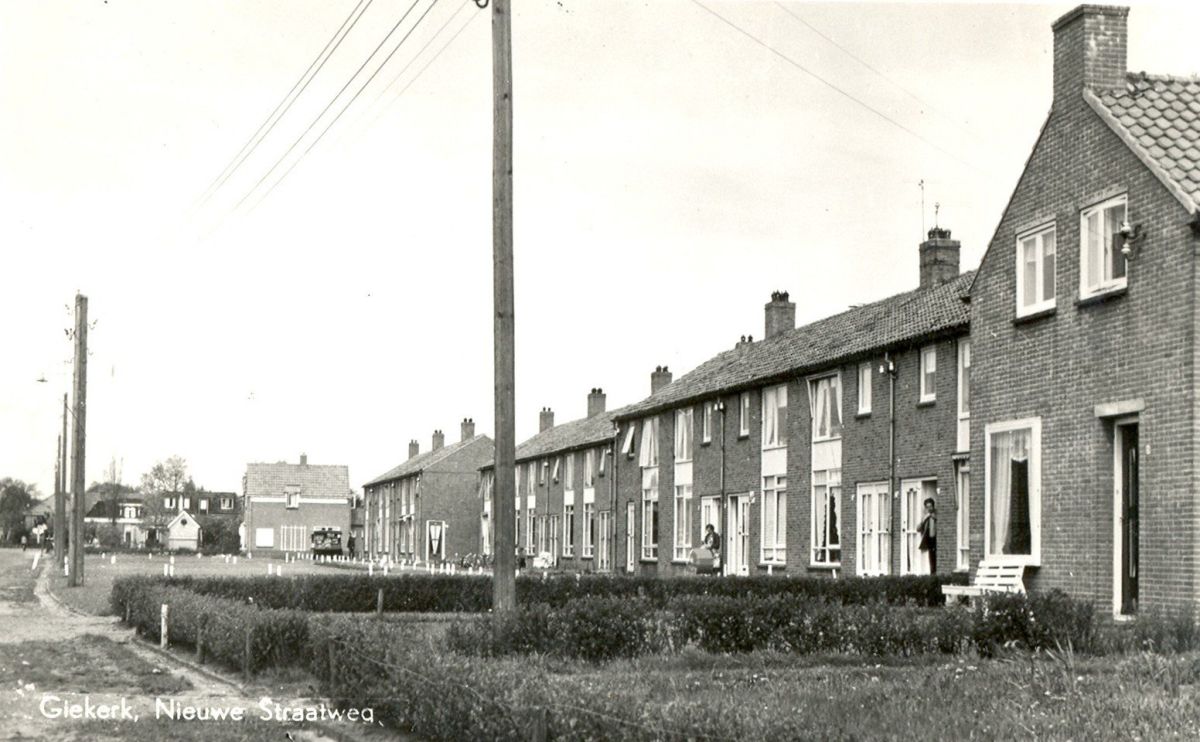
(285, 104)
(343, 89)
(831, 85)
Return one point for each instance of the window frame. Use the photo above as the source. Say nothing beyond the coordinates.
(1034, 426)
(880, 536)
(684, 449)
(706, 420)
(682, 513)
(1103, 285)
(814, 383)
(822, 500)
(962, 517)
(927, 373)
(587, 548)
(865, 372)
(772, 414)
(1041, 303)
(649, 540)
(291, 497)
(744, 415)
(773, 551)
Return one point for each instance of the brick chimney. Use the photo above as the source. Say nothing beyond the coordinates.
(545, 419)
(939, 258)
(781, 314)
(414, 448)
(468, 428)
(303, 459)
(439, 440)
(660, 378)
(595, 402)
(1089, 51)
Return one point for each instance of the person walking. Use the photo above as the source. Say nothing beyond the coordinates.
(24, 542)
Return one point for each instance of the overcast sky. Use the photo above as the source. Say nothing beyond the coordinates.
(670, 171)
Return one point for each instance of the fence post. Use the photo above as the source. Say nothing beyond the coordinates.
(379, 603)
(247, 670)
(541, 725)
(163, 640)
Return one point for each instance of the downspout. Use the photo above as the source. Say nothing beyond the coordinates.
(893, 488)
(724, 503)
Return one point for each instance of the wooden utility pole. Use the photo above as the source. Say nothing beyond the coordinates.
(78, 481)
(60, 506)
(504, 590)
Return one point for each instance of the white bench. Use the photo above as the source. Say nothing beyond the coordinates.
(990, 578)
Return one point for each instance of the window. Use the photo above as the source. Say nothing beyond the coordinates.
(530, 526)
(554, 472)
(554, 534)
(540, 533)
(530, 477)
(589, 528)
(545, 468)
(568, 528)
(589, 468)
(683, 435)
(203, 505)
(649, 452)
(964, 378)
(264, 538)
(774, 424)
(744, 414)
(774, 520)
(683, 522)
(962, 529)
(604, 542)
(603, 453)
(627, 444)
(569, 483)
(1036, 260)
(1012, 492)
(826, 522)
(874, 529)
(169, 503)
(826, 400)
(864, 388)
(913, 494)
(1101, 262)
(187, 503)
(650, 513)
(293, 538)
(227, 503)
(291, 496)
(929, 373)
(706, 415)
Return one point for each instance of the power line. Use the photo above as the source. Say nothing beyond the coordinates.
(293, 166)
(421, 51)
(866, 64)
(285, 104)
(829, 84)
(339, 94)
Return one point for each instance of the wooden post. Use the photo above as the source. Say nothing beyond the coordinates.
(60, 493)
(379, 603)
(79, 484)
(504, 586)
(541, 725)
(163, 639)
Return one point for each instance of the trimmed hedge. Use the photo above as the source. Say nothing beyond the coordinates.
(342, 593)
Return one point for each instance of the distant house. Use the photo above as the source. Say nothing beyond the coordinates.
(426, 509)
(565, 492)
(39, 518)
(287, 505)
(183, 533)
(126, 514)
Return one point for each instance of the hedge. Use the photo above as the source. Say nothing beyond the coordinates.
(343, 593)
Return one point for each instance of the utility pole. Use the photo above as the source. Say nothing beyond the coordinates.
(504, 584)
(79, 483)
(59, 505)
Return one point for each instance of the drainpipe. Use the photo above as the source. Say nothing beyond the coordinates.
(720, 405)
(889, 368)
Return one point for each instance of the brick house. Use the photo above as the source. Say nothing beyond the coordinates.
(1083, 327)
(286, 504)
(565, 492)
(783, 444)
(425, 510)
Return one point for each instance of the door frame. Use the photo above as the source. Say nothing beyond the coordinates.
(736, 518)
(630, 532)
(1119, 427)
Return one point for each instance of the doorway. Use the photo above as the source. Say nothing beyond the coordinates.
(1125, 527)
(738, 536)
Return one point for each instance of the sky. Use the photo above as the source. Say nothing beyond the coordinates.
(671, 171)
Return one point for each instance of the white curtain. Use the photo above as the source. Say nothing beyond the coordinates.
(1007, 448)
(649, 452)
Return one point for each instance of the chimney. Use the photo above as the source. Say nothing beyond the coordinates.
(781, 314)
(595, 402)
(1089, 52)
(439, 440)
(414, 448)
(468, 428)
(660, 378)
(744, 341)
(939, 258)
(545, 419)
(303, 459)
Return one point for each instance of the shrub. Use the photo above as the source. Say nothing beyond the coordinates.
(1038, 621)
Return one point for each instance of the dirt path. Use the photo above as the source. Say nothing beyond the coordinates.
(31, 617)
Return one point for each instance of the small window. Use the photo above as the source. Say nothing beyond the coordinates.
(169, 503)
(589, 468)
(649, 452)
(744, 414)
(1036, 261)
(291, 496)
(187, 503)
(603, 454)
(627, 444)
(554, 472)
(964, 378)
(825, 401)
(864, 388)
(929, 373)
(1101, 263)
(264, 538)
(570, 472)
(706, 421)
(683, 435)
(227, 503)
(204, 505)
(774, 421)
(544, 469)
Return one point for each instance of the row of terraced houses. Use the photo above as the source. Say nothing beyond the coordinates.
(1046, 403)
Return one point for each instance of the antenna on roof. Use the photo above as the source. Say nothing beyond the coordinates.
(936, 208)
(921, 185)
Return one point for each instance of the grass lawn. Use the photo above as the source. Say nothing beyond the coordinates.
(84, 665)
(155, 730)
(93, 596)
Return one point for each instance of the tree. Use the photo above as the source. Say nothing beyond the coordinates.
(15, 498)
(168, 477)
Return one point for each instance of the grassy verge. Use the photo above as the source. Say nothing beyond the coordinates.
(88, 664)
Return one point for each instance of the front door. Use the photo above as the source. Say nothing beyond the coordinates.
(1127, 480)
(738, 540)
(630, 531)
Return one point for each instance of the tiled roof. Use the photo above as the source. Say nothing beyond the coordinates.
(314, 479)
(587, 431)
(1159, 118)
(423, 461)
(893, 321)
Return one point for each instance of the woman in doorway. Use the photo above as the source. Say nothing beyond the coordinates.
(928, 531)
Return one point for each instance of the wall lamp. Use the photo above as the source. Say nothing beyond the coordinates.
(1132, 236)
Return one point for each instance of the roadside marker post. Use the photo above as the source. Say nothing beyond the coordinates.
(162, 634)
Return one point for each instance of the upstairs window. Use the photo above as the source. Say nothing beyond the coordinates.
(774, 425)
(589, 468)
(1101, 262)
(569, 483)
(1036, 259)
(929, 373)
(744, 414)
(627, 444)
(825, 396)
(649, 453)
(683, 435)
(706, 416)
(291, 496)
(864, 388)
(227, 503)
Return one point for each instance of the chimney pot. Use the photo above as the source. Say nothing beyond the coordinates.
(595, 402)
(780, 314)
(439, 440)
(468, 429)
(660, 378)
(545, 420)
(414, 448)
(939, 258)
(303, 459)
